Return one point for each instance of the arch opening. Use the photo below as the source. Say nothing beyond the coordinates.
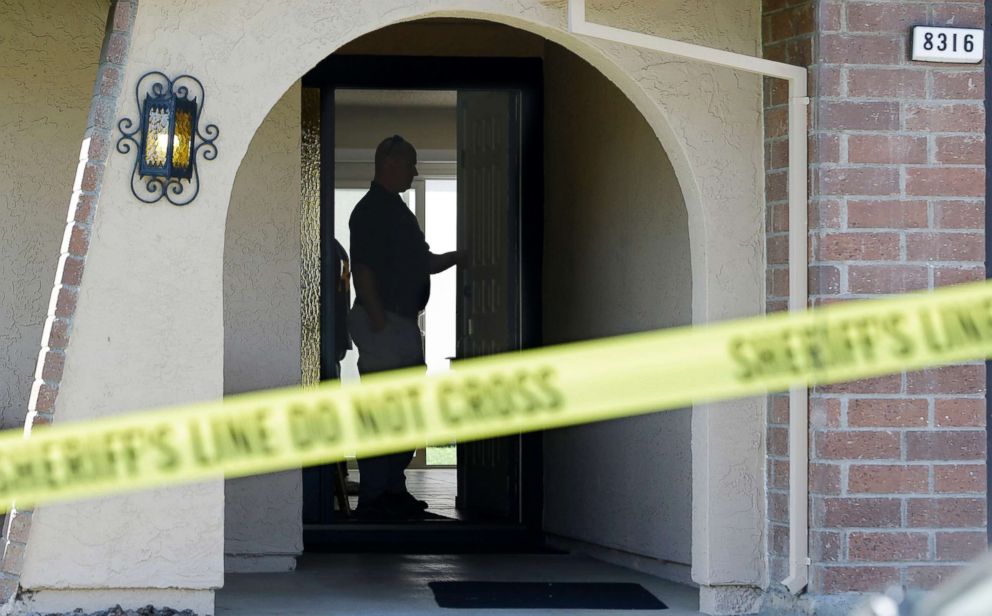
(616, 254)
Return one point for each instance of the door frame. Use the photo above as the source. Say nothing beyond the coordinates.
(454, 73)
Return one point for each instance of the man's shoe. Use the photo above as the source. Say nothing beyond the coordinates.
(406, 502)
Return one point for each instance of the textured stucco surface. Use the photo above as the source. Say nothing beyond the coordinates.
(50, 51)
(616, 261)
(149, 327)
(263, 514)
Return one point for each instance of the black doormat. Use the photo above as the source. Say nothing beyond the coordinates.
(545, 596)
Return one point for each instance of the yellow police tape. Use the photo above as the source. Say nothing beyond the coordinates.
(499, 395)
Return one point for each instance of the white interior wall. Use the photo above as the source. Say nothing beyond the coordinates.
(616, 261)
(263, 513)
(46, 81)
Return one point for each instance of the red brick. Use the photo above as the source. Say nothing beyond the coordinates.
(962, 379)
(779, 410)
(79, 240)
(860, 49)
(880, 279)
(961, 150)
(825, 81)
(825, 546)
(947, 512)
(880, 547)
(886, 214)
(824, 213)
(779, 539)
(959, 85)
(959, 215)
(859, 181)
(958, 15)
(825, 412)
(875, 17)
(777, 250)
(776, 92)
(116, 51)
(53, 363)
(824, 148)
(13, 558)
(44, 400)
(92, 173)
(889, 384)
(945, 182)
(861, 445)
(779, 474)
(65, 302)
(960, 412)
(887, 413)
(959, 478)
(886, 149)
(776, 186)
(122, 16)
(824, 479)
(887, 479)
(945, 247)
(857, 115)
(928, 577)
(886, 83)
(778, 441)
(790, 22)
(854, 579)
(778, 282)
(824, 280)
(108, 81)
(778, 507)
(85, 207)
(858, 247)
(776, 122)
(961, 546)
(98, 146)
(72, 270)
(956, 118)
(58, 334)
(950, 445)
(945, 276)
(859, 513)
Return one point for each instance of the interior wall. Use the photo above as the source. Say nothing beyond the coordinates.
(263, 513)
(46, 81)
(363, 127)
(616, 261)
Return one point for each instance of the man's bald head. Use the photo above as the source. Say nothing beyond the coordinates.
(395, 164)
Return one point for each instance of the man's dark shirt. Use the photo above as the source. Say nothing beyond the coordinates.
(386, 238)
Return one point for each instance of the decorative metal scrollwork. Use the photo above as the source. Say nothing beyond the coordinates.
(167, 138)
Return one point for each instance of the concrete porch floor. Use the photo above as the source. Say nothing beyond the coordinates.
(396, 584)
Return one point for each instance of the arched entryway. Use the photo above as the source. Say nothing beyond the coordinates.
(705, 120)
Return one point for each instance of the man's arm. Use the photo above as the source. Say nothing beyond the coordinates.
(367, 290)
(438, 263)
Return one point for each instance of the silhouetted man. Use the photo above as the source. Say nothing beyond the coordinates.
(391, 267)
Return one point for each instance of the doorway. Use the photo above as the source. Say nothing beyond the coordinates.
(478, 128)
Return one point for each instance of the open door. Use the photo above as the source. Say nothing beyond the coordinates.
(488, 310)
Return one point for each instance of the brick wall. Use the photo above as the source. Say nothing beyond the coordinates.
(897, 155)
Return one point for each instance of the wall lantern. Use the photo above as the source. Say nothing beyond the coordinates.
(167, 138)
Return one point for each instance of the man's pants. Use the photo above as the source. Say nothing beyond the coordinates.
(400, 344)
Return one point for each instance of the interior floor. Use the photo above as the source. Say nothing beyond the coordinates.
(397, 584)
(437, 486)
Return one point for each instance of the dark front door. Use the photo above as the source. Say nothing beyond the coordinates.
(488, 310)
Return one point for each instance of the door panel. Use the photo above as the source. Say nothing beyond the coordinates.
(489, 302)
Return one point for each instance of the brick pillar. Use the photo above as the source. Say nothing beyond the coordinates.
(93, 155)
(897, 204)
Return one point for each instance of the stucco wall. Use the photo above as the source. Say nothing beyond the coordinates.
(262, 323)
(149, 322)
(616, 261)
(50, 53)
